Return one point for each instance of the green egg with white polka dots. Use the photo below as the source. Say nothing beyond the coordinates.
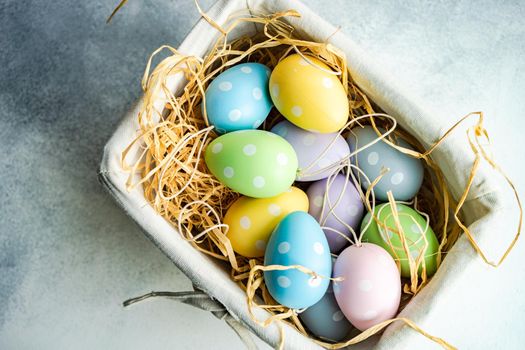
(416, 232)
(255, 163)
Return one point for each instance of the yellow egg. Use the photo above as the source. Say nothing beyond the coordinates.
(307, 96)
(252, 220)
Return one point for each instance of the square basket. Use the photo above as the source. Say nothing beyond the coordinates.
(441, 305)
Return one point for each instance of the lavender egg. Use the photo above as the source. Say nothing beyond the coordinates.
(336, 209)
(318, 154)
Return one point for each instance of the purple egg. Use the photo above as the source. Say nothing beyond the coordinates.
(318, 154)
(344, 201)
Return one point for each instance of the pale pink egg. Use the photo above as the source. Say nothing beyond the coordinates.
(371, 289)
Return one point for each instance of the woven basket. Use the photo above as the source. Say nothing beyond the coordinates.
(441, 300)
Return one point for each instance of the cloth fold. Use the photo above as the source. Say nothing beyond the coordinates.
(203, 301)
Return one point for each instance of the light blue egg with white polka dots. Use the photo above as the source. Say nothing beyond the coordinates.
(298, 240)
(405, 176)
(238, 98)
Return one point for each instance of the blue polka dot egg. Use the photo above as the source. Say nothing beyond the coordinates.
(238, 98)
(406, 172)
(325, 319)
(298, 240)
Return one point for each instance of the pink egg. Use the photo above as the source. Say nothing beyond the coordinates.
(371, 290)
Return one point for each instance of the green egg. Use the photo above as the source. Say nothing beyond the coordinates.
(413, 224)
(255, 163)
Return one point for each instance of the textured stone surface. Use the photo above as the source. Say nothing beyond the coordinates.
(69, 256)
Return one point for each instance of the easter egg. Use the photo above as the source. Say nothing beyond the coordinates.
(309, 96)
(371, 290)
(298, 240)
(254, 163)
(406, 172)
(238, 98)
(325, 319)
(318, 154)
(416, 232)
(252, 220)
(336, 205)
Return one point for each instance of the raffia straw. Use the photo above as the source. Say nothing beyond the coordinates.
(177, 183)
(378, 328)
(119, 6)
(480, 153)
(413, 265)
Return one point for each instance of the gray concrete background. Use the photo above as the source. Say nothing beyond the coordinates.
(69, 256)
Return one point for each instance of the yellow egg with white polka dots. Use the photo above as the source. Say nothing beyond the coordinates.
(251, 220)
(307, 94)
